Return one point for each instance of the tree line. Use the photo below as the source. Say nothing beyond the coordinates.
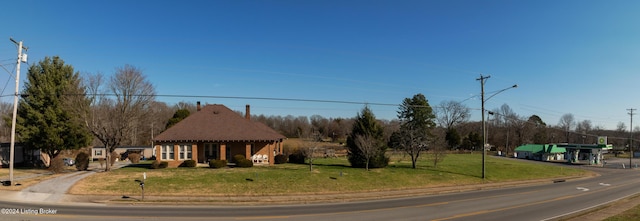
(61, 109)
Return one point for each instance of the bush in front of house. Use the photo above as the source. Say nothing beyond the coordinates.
(56, 165)
(134, 157)
(297, 157)
(159, 165)
(242, 161)
(217, 164)
(238, 158)
(101, 161)
(82, 161)
(114, 157)
(280, 159)
(189, 163)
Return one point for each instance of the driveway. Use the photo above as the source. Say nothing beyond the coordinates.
(53, 190)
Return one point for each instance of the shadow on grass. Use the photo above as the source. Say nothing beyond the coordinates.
(138, 165)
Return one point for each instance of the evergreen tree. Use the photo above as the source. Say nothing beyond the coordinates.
(453, 138)
(45, 118)
(418, 120)
(366, 124)
(177, 117)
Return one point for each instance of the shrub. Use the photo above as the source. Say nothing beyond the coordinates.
(280, 159)
(244, 163)
(155, 165)
(134, 157)
(159, 165)
(56, 165)
(217, 164)
(189, 163)
(297, 157)
(82, 161)
(114, 157)
(101, 161)
(238, 158)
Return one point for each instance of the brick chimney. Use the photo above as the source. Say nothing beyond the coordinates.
(247, 113)
(198, 106)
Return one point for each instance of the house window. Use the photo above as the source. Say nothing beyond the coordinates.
(185, 151)
(167, 152)
(98, 152)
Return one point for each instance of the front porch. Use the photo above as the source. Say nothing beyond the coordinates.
(260, 153)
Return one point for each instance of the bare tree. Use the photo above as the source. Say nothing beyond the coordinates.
(621, 127)
(110, 120)
(567, 122)
(308, 149)
(438, 148)
(6, 112)
(412, 141)
(368, 146)
(451, 113)
(584, 128)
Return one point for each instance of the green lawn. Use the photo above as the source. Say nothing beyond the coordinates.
(329, 176)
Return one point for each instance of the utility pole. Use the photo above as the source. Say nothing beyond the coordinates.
(21, 58)
(482, 79)
(631, 135)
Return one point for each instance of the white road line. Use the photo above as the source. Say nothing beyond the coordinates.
(582, 188)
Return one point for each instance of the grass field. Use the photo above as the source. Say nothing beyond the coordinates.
(332, 175)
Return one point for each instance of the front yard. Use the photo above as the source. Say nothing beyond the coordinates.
(331, 175)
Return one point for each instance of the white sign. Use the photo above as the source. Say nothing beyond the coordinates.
(144, 175)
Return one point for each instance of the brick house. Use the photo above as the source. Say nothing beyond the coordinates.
(217, 132)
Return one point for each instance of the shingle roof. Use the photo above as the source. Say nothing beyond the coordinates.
(216, 123)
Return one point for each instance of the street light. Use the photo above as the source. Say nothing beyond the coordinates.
(482, 79)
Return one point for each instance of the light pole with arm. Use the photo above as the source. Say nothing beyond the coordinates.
(482, 79)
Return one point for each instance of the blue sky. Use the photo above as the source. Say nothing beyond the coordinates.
(579, 57)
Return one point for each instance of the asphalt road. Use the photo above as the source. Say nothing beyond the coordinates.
(540, 202)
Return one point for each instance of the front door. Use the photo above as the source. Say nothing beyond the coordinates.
(211, 152)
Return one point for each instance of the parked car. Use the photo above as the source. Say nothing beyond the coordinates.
(68, 161)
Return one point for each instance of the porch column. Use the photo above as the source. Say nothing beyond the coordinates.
(223, 151)
(271, 148)
(158, 152)
(247, 152)
(176, 152)
(194, 152)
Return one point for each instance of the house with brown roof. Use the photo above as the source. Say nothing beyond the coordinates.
(215, 132)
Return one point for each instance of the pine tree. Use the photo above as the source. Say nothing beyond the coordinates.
(417, 122)
(366, 125)
(45, 118)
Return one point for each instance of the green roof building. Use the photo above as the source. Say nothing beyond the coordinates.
(542, 152)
